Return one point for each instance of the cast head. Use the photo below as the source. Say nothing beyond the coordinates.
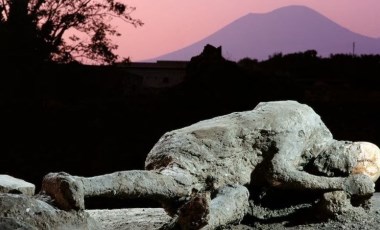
(345, 158)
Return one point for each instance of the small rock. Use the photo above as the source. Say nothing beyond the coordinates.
(19, 211)
(10, 184)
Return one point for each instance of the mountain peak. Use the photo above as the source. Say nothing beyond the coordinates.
(286, 10)
(294, 8)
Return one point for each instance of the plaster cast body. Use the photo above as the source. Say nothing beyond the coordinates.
(200, 171)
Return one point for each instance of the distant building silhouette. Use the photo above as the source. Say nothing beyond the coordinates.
(161, 74)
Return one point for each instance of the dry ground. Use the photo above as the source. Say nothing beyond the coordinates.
(153, 218)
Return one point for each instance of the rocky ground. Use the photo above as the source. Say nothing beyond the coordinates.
(154, 218)
(133, 219)
(19, 209)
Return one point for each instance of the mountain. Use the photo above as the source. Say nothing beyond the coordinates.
(289, 29)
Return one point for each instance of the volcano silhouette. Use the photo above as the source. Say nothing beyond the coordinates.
(287, 30)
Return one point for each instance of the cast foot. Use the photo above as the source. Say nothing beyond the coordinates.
(66, 192)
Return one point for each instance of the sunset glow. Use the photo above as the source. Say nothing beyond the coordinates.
(172, 24)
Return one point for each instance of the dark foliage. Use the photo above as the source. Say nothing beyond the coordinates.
(61, 30)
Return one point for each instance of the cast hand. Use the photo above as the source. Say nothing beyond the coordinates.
(359, 184)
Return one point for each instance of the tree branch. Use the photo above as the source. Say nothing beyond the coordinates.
(5, 8)
(37, 6)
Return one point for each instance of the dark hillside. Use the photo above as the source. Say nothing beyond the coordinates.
(90, 120)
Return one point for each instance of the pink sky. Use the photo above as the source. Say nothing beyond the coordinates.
(174, 24)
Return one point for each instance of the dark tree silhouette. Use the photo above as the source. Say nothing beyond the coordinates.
(61, 30)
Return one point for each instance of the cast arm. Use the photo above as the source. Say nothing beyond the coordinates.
(284, 173)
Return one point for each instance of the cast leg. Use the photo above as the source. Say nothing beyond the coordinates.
(69, 191)
(230, 205)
